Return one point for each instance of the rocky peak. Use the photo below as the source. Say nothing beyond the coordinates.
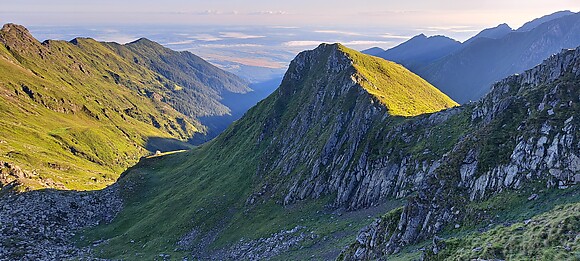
(493, 33)
(504, 26)
(17, 38)
(79, 40)
(318, 126)
(420, 36)
(16, 35)
(144, 41)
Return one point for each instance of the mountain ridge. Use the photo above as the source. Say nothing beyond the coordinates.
(319, 114)
(419, 50)
(493, 33)
(465, 72)
(93, 111)
(546, 18)
(359, 157)
(523, 107)
(306, 171)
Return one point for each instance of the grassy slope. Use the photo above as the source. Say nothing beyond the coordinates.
(199, 84)
(200, 190)
(400, 90)
(520, 229)
(206, 189)
(78, 114)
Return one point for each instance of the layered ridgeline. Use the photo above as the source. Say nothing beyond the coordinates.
(468, 73)
(418, 51)
(76, 114)
(307, 168)
(308, 140)
(465, 71)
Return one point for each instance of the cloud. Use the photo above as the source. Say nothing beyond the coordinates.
(338, 32)
(205, 37)
(180, 42)
(267, 13)
(454, 29)
(239, 35)
(362, 42)
(117, 38)
(392, 36)
(207, 12)
(283, 27)
(301, 43)
(230, 45)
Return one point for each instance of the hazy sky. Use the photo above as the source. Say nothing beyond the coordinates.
(376, 13)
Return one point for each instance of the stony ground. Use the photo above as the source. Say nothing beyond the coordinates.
(41, 225)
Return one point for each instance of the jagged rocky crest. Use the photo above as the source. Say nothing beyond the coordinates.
(523, 132)
(324, 124)
(324, 133)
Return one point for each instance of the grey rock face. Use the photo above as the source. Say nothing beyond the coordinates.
(40, 225)
(328, 146)
(264, 248)
(11, 175)
(544, 147)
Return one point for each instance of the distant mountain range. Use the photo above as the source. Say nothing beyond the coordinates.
(492, 33)
(418, 51)
(466, 71)
(546, 18)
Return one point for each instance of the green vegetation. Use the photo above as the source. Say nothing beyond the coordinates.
(73, 115)
(508, 226)
(544, 229)
(401, 91)
(208, 189)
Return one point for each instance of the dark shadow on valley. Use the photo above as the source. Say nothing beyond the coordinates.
(166, 144)
(238, 104)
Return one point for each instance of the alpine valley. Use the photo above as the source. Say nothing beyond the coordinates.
(353, 157)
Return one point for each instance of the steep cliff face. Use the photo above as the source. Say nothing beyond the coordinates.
(525, 131)
(331, 111)
(312, 141)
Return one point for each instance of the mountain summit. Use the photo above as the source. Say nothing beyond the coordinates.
(304, 141)
(546, 18)
(492, 33)
(420, 50)
(401, 91)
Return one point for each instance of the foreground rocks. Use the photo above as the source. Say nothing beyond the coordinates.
(264, 248)
(525, 132)
(41, 225)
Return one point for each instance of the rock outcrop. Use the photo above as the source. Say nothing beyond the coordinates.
(327, 128)
(524, 131)
(41, 225)
(264, 248)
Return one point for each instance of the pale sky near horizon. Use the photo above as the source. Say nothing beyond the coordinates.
(340, 13)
